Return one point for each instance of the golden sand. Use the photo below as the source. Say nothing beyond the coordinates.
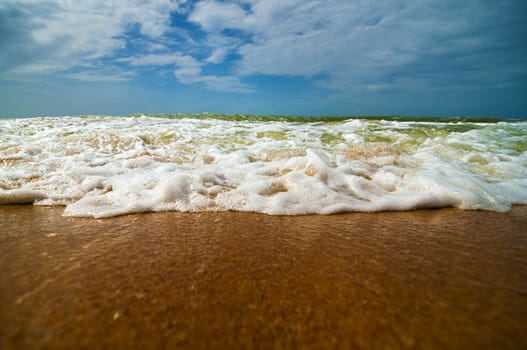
(430, 279)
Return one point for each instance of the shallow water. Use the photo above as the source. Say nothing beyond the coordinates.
(107, 166)
(432, 279)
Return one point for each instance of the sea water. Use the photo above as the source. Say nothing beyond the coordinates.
(101, 166)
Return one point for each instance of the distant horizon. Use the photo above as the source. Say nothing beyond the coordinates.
(281, 57)
(292, 117)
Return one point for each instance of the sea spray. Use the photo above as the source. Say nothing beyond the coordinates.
(106, 166)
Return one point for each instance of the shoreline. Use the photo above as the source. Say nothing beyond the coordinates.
(443, 278)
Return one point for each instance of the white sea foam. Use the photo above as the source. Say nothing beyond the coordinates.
(108, 166)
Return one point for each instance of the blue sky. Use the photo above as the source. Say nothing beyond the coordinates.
(300, 57)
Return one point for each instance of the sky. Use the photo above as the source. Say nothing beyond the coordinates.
(285, 57)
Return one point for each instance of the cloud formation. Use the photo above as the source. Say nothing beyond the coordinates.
(66, 34)
(344, 46)
(381, 44)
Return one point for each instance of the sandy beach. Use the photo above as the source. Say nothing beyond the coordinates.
(432, 279)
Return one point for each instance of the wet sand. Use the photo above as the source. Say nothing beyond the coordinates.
(433, 279)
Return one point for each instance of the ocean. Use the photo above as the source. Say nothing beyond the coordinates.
(104, 166)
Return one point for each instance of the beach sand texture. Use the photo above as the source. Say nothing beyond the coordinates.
(432, 279)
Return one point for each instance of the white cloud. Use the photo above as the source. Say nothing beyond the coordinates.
(226, 84)
(192, 75)
(35, 68)
(70, 36)
(188, 75)
(351, 44)
(300, 38)
(218, 55)
(174, 58)
(339, 44)
(67, 34)
(214, 16)
(316, 38)
(99, 76)
(189, 71)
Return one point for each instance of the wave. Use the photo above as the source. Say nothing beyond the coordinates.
(100, 166)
